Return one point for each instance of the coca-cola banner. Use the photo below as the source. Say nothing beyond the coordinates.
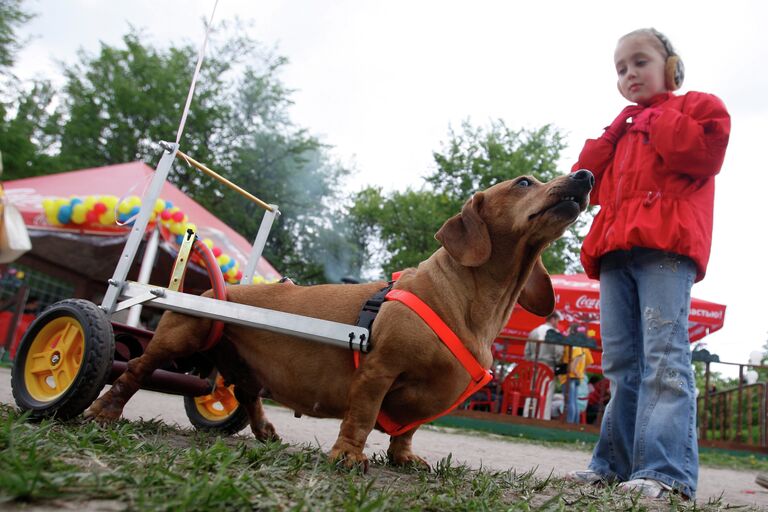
(578, 301)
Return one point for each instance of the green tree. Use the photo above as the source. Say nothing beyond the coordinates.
(404, 224)
(12, 17)
(115, 106)
(28, 131)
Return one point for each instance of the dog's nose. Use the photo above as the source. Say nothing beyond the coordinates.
(583, 175)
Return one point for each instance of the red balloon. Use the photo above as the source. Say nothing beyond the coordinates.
(216, 252)
(99, 208)
(239, 275)
(178, 216)
(92, 217)
(165, 215)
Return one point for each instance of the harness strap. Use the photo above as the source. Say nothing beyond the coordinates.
(480, 376)
(369, 311)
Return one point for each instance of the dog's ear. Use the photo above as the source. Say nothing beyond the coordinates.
(538, 296)
(465, 236)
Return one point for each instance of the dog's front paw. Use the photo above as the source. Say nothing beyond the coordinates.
(407, 458)
(348, 455)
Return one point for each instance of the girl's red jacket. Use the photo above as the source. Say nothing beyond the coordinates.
(656, 189)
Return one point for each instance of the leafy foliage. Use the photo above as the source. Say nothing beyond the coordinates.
(28, 131)
(117, 104)
(473, 159)
(12, 16)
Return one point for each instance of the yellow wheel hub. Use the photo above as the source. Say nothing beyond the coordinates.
(54, 358)
(220, 404)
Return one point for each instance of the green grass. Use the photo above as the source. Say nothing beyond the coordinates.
(147, 465)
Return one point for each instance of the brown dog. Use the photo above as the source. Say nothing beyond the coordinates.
(490, 258)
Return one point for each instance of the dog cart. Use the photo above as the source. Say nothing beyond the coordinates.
(73, 349)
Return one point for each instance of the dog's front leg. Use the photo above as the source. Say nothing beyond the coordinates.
(399, 451)
(366, 394)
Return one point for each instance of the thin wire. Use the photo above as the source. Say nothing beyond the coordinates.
(195, 76)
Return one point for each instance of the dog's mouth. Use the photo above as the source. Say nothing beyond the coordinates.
(568, 206)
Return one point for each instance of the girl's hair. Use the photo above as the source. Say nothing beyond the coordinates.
(662, 42)
(674, 69)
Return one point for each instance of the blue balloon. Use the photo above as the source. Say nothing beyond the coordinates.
(179, 239)
(75, 200)
(168, 205)
(65, 213)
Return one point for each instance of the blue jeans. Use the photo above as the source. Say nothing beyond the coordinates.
(572, 407)
(649, 426)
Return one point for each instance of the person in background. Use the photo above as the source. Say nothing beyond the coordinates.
(648, 244)
(536, 350)
(577, 359)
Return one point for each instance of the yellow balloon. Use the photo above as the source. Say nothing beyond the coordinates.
(134, 201)
(107, 218)
(159, 205)
(110, 201)
(192, 227)
(78, 213)
(89, 202)
(124, 207)
(177, 228)
(208, 242)
(223, 259)
(49, 205)
(52, 219)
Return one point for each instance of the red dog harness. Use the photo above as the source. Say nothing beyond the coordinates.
(480, 376)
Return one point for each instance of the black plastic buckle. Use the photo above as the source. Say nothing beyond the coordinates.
(370, 309)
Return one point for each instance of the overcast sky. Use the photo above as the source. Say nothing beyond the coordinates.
(383, 81)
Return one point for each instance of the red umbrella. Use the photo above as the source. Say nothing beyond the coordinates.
(578, 300)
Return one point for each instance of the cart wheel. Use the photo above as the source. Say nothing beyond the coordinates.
(63, 360)
(218, 412)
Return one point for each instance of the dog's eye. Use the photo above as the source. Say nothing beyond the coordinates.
(525, 182)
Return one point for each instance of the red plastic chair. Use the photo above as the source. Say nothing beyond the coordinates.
(517, 387)
(483, 398)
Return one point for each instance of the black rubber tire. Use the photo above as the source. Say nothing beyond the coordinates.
(98, 354)
(230, 425)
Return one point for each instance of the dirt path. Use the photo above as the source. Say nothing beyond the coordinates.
(432, 443)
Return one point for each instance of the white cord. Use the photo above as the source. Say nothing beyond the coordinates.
(194, 77)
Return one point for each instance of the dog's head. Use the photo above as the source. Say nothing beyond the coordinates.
(522, 213)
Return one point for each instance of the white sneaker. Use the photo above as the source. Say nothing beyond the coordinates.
(585, 476)
(647, 487)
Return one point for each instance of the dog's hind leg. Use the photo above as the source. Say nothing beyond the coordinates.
(399, 451)
(262, 429)
(176, 336)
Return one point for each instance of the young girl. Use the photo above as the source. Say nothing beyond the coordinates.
(655, 168)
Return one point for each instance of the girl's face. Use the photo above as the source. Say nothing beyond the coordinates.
(640, 67)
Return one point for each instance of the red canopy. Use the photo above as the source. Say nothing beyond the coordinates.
(91, 249)
(578, 300)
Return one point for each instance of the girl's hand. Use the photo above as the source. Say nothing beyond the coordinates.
(642, 122)
(619, 125)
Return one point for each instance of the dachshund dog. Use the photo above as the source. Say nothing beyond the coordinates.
(490, 259)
